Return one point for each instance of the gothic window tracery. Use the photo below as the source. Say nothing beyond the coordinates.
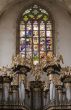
(36, 34)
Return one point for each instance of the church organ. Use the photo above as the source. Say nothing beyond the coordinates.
(39, 95)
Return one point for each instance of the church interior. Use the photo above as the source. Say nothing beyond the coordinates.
(35, 54)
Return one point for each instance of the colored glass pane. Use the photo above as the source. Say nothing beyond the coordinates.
(22, 44)
(39, 16)
(35, 33)
(45, 18)
(42, 26)
(29, 27)
(22, 40)
(35, 53)
(48, 33)
(29, 33)
(27, 11)
(42, 47)
(35, 62)
(22, 47)
(28, 54)
(22, 27)
(43, 11)
(28, 48)
(35, 58)
(35, 40)
(35, 27)
(35, 47)
(22, 23)
(28, 41)
(49, 47)
(22, 33)
(25, 18)
(42, 40)
(49, 43)
(42, 33)
(49, 26)
(35, 12)
(31, 15)
(35, 22)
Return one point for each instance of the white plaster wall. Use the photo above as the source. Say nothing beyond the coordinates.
(7, 38)
(8, 32)
(63, 33)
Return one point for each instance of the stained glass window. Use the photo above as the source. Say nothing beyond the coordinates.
(36, 37)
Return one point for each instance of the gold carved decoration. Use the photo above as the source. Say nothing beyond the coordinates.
(19, 60)
(37, 70)
(66, 72)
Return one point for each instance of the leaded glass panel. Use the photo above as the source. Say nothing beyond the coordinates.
(36, 40)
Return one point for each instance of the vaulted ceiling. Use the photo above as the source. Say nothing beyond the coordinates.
(4, 4)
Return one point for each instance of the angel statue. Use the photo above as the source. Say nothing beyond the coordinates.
(60, 59)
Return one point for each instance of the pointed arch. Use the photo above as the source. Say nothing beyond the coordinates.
(35, 33)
